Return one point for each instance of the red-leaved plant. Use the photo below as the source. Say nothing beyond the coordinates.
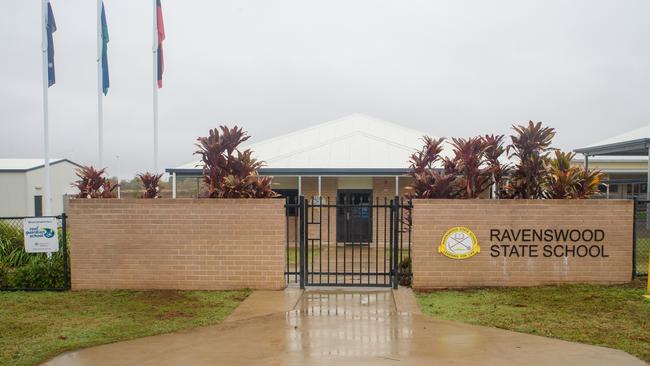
(530, 147)
(227, 171)
(470, 164)
(499, 171)
(427, 182)
(476, 165)
(93, 183)
(151, 184)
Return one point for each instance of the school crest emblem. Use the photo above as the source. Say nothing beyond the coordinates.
(459, 243)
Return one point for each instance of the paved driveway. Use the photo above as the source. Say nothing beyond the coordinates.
(344, 328)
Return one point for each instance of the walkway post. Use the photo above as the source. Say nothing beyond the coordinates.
(397, 185)
(299, 185)
(174, 185)
(319, 188)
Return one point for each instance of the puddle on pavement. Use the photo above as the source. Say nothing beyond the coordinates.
(361, 324)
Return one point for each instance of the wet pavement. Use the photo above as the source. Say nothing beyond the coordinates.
(344, 328)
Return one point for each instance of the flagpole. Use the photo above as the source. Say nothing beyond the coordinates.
(100, 97)
(46, 130)
(155, 87)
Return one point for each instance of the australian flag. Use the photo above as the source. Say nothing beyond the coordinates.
(50, 28)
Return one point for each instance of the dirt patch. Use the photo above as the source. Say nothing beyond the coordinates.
(162, 297)
(174, 314)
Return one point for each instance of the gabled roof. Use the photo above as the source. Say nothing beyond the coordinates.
(23, 165)
(632, 143)
(355, 144)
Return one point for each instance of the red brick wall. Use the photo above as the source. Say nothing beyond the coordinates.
(432, 218)
(177, 244)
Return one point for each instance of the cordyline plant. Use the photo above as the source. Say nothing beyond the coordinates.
(151, 184)
(228, 172)
(476, 165)
(530, 147)
(93, 183)
(566, 181)
(494, 150)
(427, 182)
(471, 166)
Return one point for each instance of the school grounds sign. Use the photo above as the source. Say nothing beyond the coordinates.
(41, 234)
(469, 243)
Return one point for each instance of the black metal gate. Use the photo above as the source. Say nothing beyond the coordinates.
(348, 241)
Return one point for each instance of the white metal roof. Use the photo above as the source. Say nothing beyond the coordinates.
(355, 142)
(25, 164)
(631, 143)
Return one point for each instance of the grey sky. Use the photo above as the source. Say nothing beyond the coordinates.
(449, 68)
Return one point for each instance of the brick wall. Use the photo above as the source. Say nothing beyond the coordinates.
(177, 244)
(432, 218)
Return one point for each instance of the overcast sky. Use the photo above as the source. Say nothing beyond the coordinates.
(448, 68)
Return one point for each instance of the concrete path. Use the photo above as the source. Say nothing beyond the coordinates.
(342, 328)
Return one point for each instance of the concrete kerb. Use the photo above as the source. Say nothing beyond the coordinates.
(405, 301)
(262, 303)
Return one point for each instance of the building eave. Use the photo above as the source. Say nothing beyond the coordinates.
(306, 172)
(39, 166)
(637, 147)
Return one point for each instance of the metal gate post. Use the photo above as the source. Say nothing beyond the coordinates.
(64, 233)
(634, 243)
(395, 248)
(303, 255)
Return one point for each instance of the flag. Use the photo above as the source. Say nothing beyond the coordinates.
(104, 29)
(161, 38)
(50, 28)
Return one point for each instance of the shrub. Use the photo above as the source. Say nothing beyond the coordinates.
(471, 166)
(405, 272)
(151, 184)
(12, 251)
(494, 150)
(476, 166)
(530, 146)
(566, 181)
(93, 183)
(19, 269)
(39, 272)
(229, 172)
(427, 182)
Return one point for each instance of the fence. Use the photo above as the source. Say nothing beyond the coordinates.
(641, 238)
(22, 271)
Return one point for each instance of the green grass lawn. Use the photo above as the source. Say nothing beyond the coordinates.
(294, 255)
(610, 316)
(35, 326)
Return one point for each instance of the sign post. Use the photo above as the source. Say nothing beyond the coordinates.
(41, 235)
